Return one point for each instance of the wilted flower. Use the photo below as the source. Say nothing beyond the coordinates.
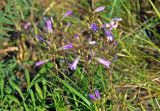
(95, 96)
(49, 25)
(94, 27)
(76, 35)
(41, 62)
(117, 19)
(103, 61)
(109, 35)
(92, 42)
(73, 66)
(66, 47)
(99, 9)
(113, 24)
(68, 13)
(27, 25)
(40, 38)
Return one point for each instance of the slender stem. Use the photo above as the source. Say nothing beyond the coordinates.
(93, 4)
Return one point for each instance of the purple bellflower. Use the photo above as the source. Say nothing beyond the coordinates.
(108, 34)
(73, 66)
(94, 27)
(40, 38)
(49, 25)
(99, 9)
(68, 13)
(103, 61)
(92, 96)
(95, 96)
(41, 62)
(66, 47)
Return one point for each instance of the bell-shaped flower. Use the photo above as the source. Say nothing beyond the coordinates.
(108, 34)
(94, 27)
(49, 25)
(73, 66)
(41, 62)
(106, 63)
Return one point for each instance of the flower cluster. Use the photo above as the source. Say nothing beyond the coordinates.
(96, 45)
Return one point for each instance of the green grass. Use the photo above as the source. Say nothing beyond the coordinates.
(131, 83)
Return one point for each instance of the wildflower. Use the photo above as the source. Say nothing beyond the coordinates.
(67, 46)
(99, 9)
(103, 61)
(68, 13)
(40, 38)
(49, 25)
(92, 96)
(73, 66)
(94, 27)
(95, 96)
(109, 35)
(41, 62)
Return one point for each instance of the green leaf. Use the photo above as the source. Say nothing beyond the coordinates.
(75, 91)
(32, 98)
(15, 86)
(12, 98)
(39, 91)
(27, 76)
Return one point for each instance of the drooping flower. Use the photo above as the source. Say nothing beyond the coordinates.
(68, 13)
(97, 94)
(73, 66)
(103, 61)
(99, 9)
(108, 34)
(94, 27)
(41, 62)
(40, 38)
(49, 25)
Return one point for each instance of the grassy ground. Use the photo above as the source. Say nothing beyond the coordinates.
(131, 83)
